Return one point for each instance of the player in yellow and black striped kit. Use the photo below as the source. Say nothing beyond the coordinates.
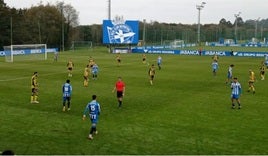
(34, 87)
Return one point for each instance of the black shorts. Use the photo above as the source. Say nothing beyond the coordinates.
(119, 94)
(118, 60)
(70, 68)
(34, 90)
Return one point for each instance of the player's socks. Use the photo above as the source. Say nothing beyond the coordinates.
(32, 99)
(119, 103)
(35, 99)
(69, 104)
(239, 106)
(233, 105)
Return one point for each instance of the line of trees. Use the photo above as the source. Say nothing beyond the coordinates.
(57, 25)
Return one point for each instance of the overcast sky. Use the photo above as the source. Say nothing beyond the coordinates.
(169, 11)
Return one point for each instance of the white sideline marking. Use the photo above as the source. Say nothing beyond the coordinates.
(28, 77)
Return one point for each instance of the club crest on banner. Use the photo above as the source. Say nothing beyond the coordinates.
(120, 32)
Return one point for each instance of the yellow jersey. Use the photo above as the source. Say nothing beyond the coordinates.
(251, 76)
(34, 81)
(86, 72)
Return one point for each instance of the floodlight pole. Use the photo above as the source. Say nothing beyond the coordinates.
(144, 31)
(109, 9)
(62, 27)
(109, 18)
(11, 31)
(199, 8)
(256, 26)
(236, 17)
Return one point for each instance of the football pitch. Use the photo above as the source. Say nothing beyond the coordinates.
(186, 111)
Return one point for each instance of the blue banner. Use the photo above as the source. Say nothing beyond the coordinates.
(196, 52)
(28, 51)
(120, 32)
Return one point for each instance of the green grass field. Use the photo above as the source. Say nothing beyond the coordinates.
(186, 111)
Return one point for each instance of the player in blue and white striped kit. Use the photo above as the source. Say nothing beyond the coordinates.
(229, 74)
(93, 110)
(236, 92)
(215, 67)
(94, 71)
(67, 92)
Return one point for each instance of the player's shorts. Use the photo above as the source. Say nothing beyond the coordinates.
(152, 77)
(235, 96)
(262, 72)
(94, 118)
(70, 68)
(118, 60)
(251, 81)
(214, 70)
(143, 59)
(34, 90)
(229, 75)
(266, 63)
(119, 94)
(66, 98)
(86, 77)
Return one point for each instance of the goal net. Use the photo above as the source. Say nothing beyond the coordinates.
(25, 52)
(173, 44)
(177, 44)
(78, 45)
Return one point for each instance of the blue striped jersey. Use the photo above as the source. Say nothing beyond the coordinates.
(67, 90)
(230, 69)
(215, 65)
(93, 108)
(95, 68)
(236, 88)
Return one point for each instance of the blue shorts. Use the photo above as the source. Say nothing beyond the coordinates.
(229, 75)
(66, 98)
(235, 96)
(94, 118)
(266, 63)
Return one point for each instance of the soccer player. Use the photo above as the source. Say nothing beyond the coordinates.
(120, 90)
(229, 74)
(262, 70)
(70, 66)
(56, 55)
(86, 75)
(159, 62)
(215, 58)
(236, 92)
(266, 60)
(215, 67)
(118, 59)
(95, 70)
(251, 81)
(34, 86)
(91, 62)
(93, 110)
(143, 58)
(67, 92)
(151, 73)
